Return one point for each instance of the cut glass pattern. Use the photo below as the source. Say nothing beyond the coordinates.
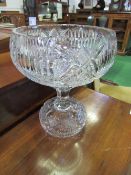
(63, 57)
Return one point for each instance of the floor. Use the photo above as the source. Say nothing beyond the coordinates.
(119, 92)
(117, 81)
(120, 72)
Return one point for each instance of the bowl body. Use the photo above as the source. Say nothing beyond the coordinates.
(63, 56)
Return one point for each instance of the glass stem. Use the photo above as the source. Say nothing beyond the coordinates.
(63, 95)
(62, 101)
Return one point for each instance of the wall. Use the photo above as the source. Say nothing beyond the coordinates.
(18, 5)
(75, 4)
(11, 5)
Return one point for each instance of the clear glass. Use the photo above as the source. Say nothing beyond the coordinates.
(63, 57)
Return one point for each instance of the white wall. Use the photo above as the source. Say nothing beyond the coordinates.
(11, 5)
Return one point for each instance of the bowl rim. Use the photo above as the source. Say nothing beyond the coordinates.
(17, 32)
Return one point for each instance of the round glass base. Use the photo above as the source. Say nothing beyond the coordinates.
(62, 122)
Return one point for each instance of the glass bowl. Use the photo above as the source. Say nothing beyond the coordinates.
(63, 57)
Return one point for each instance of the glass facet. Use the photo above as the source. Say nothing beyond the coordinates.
(63, 57)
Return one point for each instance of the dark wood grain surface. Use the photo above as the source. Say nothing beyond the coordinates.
(8, 72)
(18, 100)
(102, 148)
(4, 39)
(4, 43)
(19, 97)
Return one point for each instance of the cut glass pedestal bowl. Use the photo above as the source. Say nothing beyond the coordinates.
(63, 57)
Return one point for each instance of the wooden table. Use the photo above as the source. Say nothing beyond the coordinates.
(4, 39)
(4, 36)
(102, 148)
(16, 99)
(8, 72)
